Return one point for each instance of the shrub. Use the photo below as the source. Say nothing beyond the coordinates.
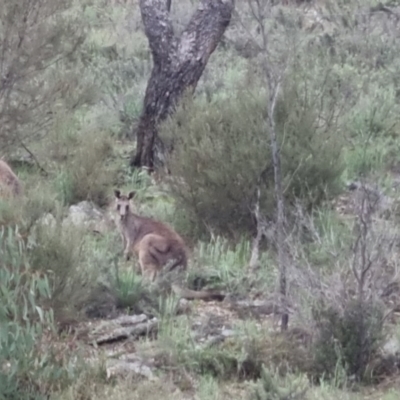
(26, 324)
(86, 175)
(221, 150)
(347, 339)
(240, 356)
(37, 49)
(273, 387)
(65, 255)
(128, 289)
(372, 128)
(221, 264)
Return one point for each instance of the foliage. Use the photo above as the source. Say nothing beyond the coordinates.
(86, 175)
(344, 74)
(26, 323)
(221, 152)
(349, 339)
(39, 43)
(273, 387)
(223, 264)
(373, 132)
(128, 289)
(240, 356)
(222, 361)
(66, 256)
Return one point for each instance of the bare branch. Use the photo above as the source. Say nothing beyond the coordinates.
(255, 250)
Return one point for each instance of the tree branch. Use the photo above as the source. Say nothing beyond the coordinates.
(204, 30)
(158, 28)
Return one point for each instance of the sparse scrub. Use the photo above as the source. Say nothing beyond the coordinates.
(26, 371)
(337, 116)
(241, 356)
(324, 239)
(347, 300)
(39, 45)
(118, 57)
(273, 387)
(86, 175)
(128, 289)
(373, 133)
(347, 340)
(222, 263)
(66, 256)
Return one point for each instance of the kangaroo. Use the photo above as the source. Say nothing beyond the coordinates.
(155, 244)
(10, 185)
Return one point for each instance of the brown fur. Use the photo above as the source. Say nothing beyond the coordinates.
(155, 244)
(10, 185)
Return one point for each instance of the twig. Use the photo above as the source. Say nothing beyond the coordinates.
(34, 158)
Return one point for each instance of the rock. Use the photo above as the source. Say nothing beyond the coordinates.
(129, 364)
(128, 320)
(47, 220)
(86, 214)
(227, 333)
(128, 368)
(392, 346)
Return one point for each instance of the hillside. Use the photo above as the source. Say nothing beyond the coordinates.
(78, 321)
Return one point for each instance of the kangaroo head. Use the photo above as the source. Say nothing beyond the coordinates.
(122, 203)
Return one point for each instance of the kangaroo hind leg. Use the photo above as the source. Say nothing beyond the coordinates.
(148, 264)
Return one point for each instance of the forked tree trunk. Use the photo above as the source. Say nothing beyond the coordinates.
(178, 63)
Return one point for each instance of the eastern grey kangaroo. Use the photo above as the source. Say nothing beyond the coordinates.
(155, 244)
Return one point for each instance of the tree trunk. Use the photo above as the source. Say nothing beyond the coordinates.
(178, 64)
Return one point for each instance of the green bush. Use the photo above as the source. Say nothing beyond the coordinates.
(128, 289)
(273, 387)
(347, 339)
(38, 51)
(372, 128)
(86, 175)
(220, 150)
(69, 261)
(26, 323)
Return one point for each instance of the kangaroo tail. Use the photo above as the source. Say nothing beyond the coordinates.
(181, 260)
(193, 294)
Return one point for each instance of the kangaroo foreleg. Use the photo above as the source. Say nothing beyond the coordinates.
(127, 250)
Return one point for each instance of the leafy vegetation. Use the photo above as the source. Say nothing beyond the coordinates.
(27, 326)
(222, 152)
(72, 81)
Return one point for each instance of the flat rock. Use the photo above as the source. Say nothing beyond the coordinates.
(128, 368)
(86, 214)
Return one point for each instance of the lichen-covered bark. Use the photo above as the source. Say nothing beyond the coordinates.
(178, 63)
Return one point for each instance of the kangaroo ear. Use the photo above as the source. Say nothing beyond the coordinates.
(117, 193)
(131, 195)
